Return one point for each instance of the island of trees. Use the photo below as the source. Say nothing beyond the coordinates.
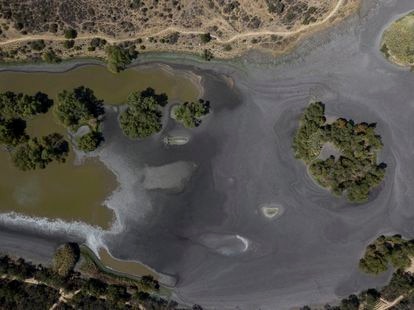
(80, 107)
(384, 252)
(142, 117)
(190, 113)
(28, 153)
(76, 281)
(355, 172)
(387, 251)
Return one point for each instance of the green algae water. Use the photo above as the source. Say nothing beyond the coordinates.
(69, 191)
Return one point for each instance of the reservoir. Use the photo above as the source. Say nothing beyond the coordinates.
(76, 191)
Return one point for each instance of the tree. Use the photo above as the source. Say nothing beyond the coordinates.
(142, 117)
(190, 113)
(119, 58)
(205, 37)
(38, 153)
(68, 44)
(78, 107)
(70, 33)
(90, 141)
(12, 131)
(65, 259)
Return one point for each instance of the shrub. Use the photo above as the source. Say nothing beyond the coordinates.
(70, 33)
(90, 141)
(65, 259)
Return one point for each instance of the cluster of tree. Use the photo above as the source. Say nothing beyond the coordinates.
(190, 113)
(118, 58)
(386, 251)
(142, 117)
(401, 284)
(356, 171)
(81, 107)
(15, 294)
(28, 153)
(38, 153)
(19, 105)
(88, 292)
(78, 107)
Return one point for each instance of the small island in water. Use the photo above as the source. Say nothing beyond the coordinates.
(397, 43)
(354, 170)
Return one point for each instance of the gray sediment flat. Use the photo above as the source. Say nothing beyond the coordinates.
(244, 159)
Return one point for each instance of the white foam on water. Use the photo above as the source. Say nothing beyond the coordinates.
(245, 241)
(92, 234)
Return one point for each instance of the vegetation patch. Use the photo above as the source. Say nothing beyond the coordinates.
(355, 172)
(397, 42)
(142, 117)
(38, 153)
(65, 259)
(118, 58)
(79, 107)
(386, 251)
(191, 113)
(90, 141)
(27, 286)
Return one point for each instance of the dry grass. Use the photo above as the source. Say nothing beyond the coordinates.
(397, 43)
(164, 25)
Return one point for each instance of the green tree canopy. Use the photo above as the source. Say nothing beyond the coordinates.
(12, 131)
(38, 153)
(90, 141)
(78, 107)
(22, 105)
(385, 251)
(355, 171)
(190, 113)
(142, 117)
(118, 58)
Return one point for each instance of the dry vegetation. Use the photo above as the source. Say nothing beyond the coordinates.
(160, 25)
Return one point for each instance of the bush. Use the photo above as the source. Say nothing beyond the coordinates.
(205, 37)
(65, 259)
(142, 118)
(90, 141)
(51, 57)
(68, 44)
(37, 45)
(70, 33)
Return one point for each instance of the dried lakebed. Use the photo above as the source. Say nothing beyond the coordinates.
(213, 236)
